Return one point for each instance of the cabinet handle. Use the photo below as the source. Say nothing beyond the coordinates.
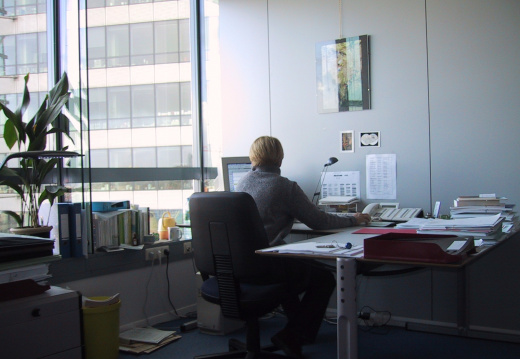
(36, 312)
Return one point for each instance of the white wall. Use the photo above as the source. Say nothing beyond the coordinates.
(444, 82)
(144, 292)
(399, 88)
(474, 47)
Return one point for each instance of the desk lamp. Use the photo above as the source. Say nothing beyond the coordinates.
(326, 166)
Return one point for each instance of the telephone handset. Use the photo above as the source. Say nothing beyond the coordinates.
(391, 212)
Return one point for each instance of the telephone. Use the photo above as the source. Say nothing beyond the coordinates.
(391, 212)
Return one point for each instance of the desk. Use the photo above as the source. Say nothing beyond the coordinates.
(348, 268)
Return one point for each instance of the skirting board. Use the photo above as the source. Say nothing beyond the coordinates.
(159, 318)
(446, 328)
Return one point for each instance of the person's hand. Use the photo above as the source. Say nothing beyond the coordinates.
(362, 218)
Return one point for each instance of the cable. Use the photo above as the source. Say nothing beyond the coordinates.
(167, 254)
(368, 315)
(146, 293)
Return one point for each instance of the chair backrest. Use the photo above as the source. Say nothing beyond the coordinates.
(227, 224)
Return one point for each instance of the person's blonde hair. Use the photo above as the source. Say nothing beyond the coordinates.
(266, 151)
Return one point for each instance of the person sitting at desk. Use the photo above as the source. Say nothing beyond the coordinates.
(280, 201)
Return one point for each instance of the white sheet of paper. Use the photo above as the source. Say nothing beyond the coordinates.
(340, 184)
(381, 176)
(456, 245)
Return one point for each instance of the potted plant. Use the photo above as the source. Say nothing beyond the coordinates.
(35, 163)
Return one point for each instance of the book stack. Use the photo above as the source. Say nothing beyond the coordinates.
(114, 228)
(484, 205)
(25, 277)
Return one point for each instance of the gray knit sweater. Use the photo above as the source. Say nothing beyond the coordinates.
(280, 201)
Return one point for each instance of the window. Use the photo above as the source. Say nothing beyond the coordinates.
(166, 42)
(143, 106)
(117, 46)
(96, 47)
(168, 104)
(118, 102)
(133, 96)
(141, 47)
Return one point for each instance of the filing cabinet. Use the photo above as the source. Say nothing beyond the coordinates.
(46, 325)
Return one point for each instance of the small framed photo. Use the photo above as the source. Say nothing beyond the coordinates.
(370, 139)
(347, 141)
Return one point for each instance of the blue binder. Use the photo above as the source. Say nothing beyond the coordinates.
(75, 227)
(59, 218)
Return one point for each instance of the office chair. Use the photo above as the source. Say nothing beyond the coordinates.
(226, 230)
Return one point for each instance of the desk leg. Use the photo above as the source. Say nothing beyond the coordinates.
(347, 310)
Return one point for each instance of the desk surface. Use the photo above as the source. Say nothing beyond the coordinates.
(344, 235)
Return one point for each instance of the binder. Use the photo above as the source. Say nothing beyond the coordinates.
(58, 218)
(76, 234)
(422, 248)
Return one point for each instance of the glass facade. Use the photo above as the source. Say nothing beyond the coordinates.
(134, 101)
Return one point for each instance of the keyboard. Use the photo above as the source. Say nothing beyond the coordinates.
(342, 214)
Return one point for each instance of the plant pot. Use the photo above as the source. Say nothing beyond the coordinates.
(42, 232)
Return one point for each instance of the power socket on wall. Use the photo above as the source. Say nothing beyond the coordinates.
(187, 247)
(155, 253)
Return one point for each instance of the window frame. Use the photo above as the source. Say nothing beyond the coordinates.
(103, 263)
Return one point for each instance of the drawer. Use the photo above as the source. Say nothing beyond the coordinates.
(41, 326)
(52, 302)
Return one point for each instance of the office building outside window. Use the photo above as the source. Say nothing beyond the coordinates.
(131, 78)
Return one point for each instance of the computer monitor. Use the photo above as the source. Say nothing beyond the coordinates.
(233, 169)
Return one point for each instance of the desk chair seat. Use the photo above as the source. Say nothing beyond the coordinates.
(226, 230)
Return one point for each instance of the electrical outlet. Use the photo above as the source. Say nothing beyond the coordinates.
(155, 253)
(187, 247)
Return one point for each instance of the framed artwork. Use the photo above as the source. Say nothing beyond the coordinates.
(347, 141)
(343, 74)
(370, 139)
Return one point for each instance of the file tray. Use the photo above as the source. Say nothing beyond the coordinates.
(14, 248)
(422, 248)
(110, 206)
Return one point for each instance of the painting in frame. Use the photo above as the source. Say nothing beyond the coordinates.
(343, 74)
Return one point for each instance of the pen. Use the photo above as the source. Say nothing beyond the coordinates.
(348, 245)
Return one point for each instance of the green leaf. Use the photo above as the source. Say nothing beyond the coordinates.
(18, 115)
(14, 186)
(50, 193)
(10, 134)
(44, 119)
(61, 88)
(15, 216)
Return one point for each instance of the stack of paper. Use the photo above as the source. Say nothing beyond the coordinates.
(476, 226)
(485, 205)
(37, 272)
(338, 200)
(478, 211)
(96, 302)
(318, 248)
(145, 340)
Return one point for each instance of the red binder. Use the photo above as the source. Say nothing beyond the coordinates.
(424, 248)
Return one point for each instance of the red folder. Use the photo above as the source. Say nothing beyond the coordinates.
(424, 248)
